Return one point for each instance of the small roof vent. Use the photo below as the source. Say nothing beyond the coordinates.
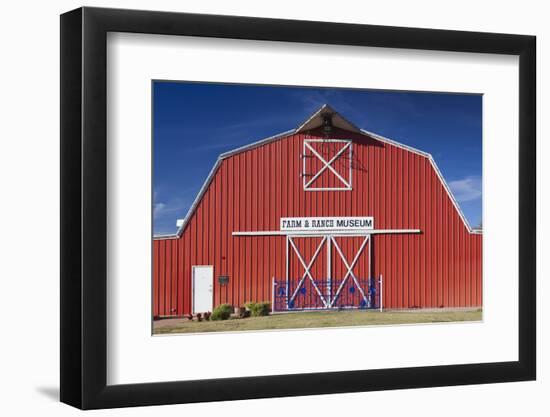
(327, 124)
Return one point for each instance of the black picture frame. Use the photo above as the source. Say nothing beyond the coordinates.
(84, 207)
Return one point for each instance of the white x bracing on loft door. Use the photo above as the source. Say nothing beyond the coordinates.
(338, 152)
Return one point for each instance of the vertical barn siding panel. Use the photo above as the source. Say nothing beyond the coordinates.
(211, 246)
(473, 269)
(259, 277)
(193, 256)
(205, 225)
(474, 250)
(407, 221)
(457, 261)
(254, 197)
(450, 255)
(162, 276)
(380, 245)
(479, 251)
(429, 234)
(395, 239)
(242, 215)
(230, 249)
(264, 187)
(174, 278)
(167, 277)
(417, 274)
(388, 265)
(234, 249)
(247, 243)
(250, 220)
(435, 246)
(376, 247)
(442, 236)
(406, 224)
(455, 224)
(398, 221)
(187, 273)
(445, 249)
(272, 219)
(452, 251)
(156, 266)
(391, 224)
(277, 163)
(267, 242)
(466, 269)
(239, 225)
(473, 254)
(252, 190)
(477, 256)
(468, 266)
(201, 228)
(424, 225)
(180, 278)
(401, 214)
(218, 216)
(437, 252)
(283, 194)
(438, 231)
(462, 269)
(223, 224)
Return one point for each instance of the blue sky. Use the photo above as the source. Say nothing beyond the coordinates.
(195, 122)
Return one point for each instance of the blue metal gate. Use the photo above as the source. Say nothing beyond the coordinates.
(293, 295)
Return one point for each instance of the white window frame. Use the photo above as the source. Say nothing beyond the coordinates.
(308, 180)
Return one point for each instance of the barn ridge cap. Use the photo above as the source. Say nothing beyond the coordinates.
(317, 120)
(314, 121)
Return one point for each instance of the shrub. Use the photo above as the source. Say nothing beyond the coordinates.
(258, 309)
(221, 312)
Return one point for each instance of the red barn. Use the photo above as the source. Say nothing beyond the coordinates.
(316, 218)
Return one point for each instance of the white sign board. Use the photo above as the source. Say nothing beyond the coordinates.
(316, 224)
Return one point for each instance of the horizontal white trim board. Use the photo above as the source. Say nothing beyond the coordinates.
(325, 232)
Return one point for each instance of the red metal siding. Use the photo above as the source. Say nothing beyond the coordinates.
(252, 190)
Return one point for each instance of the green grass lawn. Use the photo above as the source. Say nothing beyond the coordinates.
(315, 319)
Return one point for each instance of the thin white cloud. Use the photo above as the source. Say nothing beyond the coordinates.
(158, 209)
(163, 210)
(466, 189)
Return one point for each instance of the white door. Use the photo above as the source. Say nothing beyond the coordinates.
(203, 280)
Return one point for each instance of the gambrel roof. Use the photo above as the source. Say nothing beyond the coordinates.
(313, 122)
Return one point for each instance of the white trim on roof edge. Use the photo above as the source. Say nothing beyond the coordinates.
(290, 132)
(166, 236)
